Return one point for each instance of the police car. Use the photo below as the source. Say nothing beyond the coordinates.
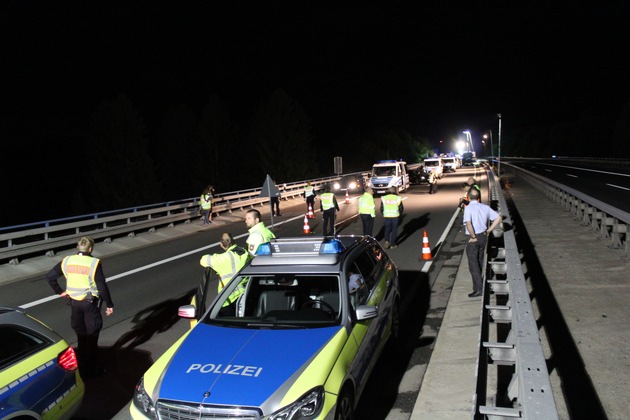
(299, 343)
(39, 375)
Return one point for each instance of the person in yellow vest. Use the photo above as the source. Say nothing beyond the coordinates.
(86, 288)
(226, 264)
(367, 211)
(258, 232)
(432, 182)
(392, 208)
(309, 196)
(206, 204)
(329, 207)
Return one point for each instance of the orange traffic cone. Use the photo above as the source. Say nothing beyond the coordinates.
(310, 214)
(426, 248)
(347, 198)
(307, 228)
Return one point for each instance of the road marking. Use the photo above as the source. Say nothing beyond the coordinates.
(618, 186)
(572, 176)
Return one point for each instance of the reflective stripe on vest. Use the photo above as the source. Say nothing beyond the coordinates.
(80, 273)
(327, 201)
(308, 191)
(390, 205)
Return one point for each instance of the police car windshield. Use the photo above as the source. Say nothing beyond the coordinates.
(279, 301)
(383, 171)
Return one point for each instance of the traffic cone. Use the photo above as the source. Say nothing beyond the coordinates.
(307, 228)
(310, 214)
(426, 248)
(347, 198)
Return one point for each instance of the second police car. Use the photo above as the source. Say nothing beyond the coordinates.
(299, 343)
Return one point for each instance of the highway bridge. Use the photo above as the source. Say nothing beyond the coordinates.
(152, 272)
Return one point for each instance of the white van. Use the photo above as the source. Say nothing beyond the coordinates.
(435, 165)
(450, 163)
(389, 173)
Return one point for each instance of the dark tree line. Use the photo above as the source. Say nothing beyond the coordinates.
(186, 151)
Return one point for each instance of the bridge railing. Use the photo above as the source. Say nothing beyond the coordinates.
(48, 237)
(528, 394)
(607, 222)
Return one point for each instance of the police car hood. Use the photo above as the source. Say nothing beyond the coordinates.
(240, 366)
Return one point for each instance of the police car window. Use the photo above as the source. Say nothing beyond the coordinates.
(365, 263)
(17, 344)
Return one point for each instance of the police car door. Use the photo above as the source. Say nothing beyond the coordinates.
(368, 333)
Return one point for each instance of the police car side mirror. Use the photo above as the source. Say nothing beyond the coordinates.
(366, 312)
(187, 311)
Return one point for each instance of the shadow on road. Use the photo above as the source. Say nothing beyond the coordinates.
(124, 365)
(382, 389)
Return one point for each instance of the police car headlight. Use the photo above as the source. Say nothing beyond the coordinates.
(143, 402)
(307, 406)
(353, 185)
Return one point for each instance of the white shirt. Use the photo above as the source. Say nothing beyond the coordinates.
(479, 215)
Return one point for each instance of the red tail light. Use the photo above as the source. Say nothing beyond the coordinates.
(67, 360)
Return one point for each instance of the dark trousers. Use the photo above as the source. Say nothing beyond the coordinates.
(368, 224)
(391, 230)
(432, 187)
(310, 200)
(275, 206)
(475, 252)
(329, 222)
(86, 321)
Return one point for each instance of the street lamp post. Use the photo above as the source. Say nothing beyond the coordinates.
(499, 166)
(485, 136)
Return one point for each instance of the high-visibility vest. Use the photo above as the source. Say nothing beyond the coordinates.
(80, 273)
(308, 191)
(206, 201)
(366, 204)
(258, 234)
(227, 264)
(327, 200)
(391, 203)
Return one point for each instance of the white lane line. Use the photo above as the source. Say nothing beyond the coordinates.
(148, 266)
(427, 264)
(618, 186)
(572, 176)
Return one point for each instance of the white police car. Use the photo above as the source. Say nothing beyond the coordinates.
(299, 343)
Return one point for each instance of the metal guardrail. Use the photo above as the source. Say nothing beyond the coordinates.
(606, 221)
(48, 237)
(528, 395)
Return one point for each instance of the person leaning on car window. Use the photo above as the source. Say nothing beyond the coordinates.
(86, 288)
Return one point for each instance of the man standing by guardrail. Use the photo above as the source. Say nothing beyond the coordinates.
(476, 218)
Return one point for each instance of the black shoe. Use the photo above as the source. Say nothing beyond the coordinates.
(475, 294)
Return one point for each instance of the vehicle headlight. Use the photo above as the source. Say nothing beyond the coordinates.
(336, 185)
(307, 406)
(353, 185)
(143, 402)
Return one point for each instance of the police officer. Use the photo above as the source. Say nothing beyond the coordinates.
(86, 288)
(468, 186)
(258, 232)
(432, 182)
(309, 195)
(367, 211)
(329, 207)
(392, 208)
(226, 264)
(206, 204)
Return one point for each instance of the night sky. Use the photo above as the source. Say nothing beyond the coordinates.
(431, 68)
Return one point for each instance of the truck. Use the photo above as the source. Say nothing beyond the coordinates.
(388, 174)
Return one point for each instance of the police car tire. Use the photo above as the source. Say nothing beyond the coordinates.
(345, 404)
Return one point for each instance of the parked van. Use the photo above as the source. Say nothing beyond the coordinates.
(450, 163)
(389, 173)
(435, 165)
